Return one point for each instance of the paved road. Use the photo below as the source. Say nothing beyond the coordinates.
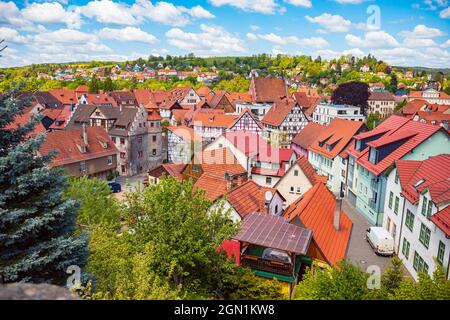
(129, 184)
(359, 250)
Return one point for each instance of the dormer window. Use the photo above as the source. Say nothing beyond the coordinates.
(418, 183)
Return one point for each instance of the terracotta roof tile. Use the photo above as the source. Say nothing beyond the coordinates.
(442, 220)
(278, 112)
(268, 89)
(66, 143)
(306, 137)
(316, 211)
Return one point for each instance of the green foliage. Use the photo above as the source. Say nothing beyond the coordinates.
(373, 119)
(97, 204)
(342, 282)
(237, 84)
(36, 224)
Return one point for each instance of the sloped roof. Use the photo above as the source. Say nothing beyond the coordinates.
(268, 89)
(66, 142)
(309, 171)
(442, 220)
(316, 211)
(43, 97)
(274, 232)
(307, 103)
(392, 129)
(219, 162)
(213, 185)
(186, 133)
(249, 197)
(278, 112)
(211, 119)
(306, 137)
(435, 171)
(25, 117)
(381, 96)
(337, 134)
(142, 96)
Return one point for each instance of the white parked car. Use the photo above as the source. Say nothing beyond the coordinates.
(380, 240)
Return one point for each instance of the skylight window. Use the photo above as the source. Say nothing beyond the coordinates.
(418, 183)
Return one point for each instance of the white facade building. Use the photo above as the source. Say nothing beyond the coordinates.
(325, 113)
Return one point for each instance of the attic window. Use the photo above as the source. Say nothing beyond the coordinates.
(418, 183)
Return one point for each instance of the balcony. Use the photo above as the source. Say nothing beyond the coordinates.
(271, 266)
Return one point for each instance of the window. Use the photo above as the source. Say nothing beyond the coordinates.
(440, 253)
(154, 138)
(109, 160)
(122, 155)
(419, 264)
(154, 152)
(405, 248)
(268, 180)
(122, 141)
(396, 177)
(298, 190)
(152, 124)
(83, 166)
(113, 139)
(430, 205)
(396, 205)
(139, 139)
(123, 168)
(424, 206)
(424, 236)
(291, 189)
(409, 221)
(343, 173)
(296, 173)
(391, 197)
(140, 154)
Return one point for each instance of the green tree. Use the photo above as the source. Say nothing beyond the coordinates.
(393, 85)
(343, 281)
(97, 204)
(94, 85)
(373, 119)
(427, 288)
(108, 85)
(36, 224)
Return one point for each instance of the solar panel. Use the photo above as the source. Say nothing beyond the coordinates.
(274, 232)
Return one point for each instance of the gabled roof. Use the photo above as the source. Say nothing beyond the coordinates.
(381, 96)
(67, 142)
(219, 162)
(213, 185)
(307, 103)
(25, 117)
(442, 220)
(274, 232)
(411, 108)
(185, 133)
(42, 97)
(306, 137)
(250, 114)
(210, 119)
(278, 112)
(170, 169)
(268, 89)
(142, 96)
(336, 136)
(309, 171)
(249, 197)
(435, 173)
(393, 129)
(65, 96)
(315, 210)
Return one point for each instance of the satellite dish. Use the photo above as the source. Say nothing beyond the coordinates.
(268, 196)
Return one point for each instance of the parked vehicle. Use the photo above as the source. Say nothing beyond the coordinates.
(380, 240)
(115, 187)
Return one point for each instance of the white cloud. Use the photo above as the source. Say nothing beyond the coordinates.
(333, 23)
(252, 36)
(12, 35)
(422, 31)
(107, 11)
(10, 14)
(261, 6)
(300, 3)
(254, 27)
(349, 1)
(127, 34)
(445, 14)
(315, 42)
(446, 44)
(213, 40)
(276, 50)
(372, 39)
(417, 43)
(200, 13)
(51, 12)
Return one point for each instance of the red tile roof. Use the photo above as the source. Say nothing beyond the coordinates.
(210, 119)
(442, 220)
(185, 133)
(306, 137)
(219, 162)
(142, 96)
(316, 211)
(213, 185)
(435, 171)
(309, 171)
(381, 96)
(307, 103)
(390, 130)
(268, 89)
(67, 142)
(338, 135)
(22, 119)
(249, 198)
(65, 96)
(100, 98)
(411, 108)
(278, 112)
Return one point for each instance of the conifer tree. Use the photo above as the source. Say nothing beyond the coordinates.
(37, 242)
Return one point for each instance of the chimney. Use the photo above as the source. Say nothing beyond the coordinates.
(85, 138)
(337, 213)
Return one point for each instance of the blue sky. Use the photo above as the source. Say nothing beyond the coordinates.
(413, 33)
